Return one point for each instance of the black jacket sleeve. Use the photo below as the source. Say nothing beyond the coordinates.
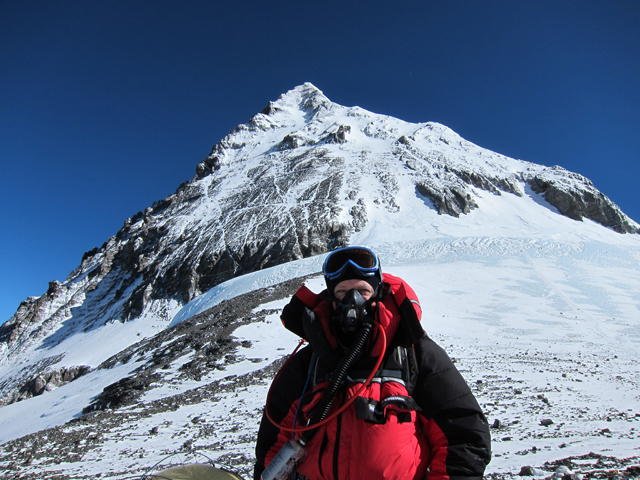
(446, 399)
(286, 389)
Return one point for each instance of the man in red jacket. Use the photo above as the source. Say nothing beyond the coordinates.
(371, 396)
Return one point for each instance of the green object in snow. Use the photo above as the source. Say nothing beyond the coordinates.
(194, 471)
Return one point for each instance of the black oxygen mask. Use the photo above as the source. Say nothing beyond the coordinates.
(351, 312)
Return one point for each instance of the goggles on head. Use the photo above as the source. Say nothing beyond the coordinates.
(361, 258)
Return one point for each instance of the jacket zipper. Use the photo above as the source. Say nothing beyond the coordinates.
(336, 448)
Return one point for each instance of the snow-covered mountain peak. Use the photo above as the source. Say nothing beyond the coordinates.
(306, 98)
(301, 178)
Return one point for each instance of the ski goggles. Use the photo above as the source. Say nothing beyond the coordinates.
(361, 258)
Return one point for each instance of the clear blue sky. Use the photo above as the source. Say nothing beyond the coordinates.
(108, 106)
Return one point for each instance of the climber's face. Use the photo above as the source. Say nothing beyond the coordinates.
(361, 286)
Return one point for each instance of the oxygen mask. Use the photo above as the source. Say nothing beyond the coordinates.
(351, 312)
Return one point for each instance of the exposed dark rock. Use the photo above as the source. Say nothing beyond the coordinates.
(52, 379)
(125, 391)
(450, 201)
(55, 287)
(359, 215)
(577, 204)
(526, 471)
(90, 253)
(35, 379)
(292, 141)
(340, 136)
(270, 109)
(208, 166)
(488, 183)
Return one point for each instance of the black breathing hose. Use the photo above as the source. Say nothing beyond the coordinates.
(337, 379)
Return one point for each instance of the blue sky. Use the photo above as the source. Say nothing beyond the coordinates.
(108, 106)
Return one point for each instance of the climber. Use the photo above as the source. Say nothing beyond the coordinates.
(371, 396)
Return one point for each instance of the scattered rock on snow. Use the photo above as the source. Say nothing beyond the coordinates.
(529, 471)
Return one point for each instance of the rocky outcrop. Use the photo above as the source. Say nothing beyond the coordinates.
(45, 381)
(340, 136)
(125, 391)
(452, 201)
(557, 185)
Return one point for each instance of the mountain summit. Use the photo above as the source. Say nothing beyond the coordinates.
(300, 178)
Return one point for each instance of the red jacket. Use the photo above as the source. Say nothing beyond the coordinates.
(417, 419)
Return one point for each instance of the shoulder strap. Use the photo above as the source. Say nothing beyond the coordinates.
(399, 365)
(406, 301)
(403, 359)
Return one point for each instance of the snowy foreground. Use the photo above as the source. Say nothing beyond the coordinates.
(544, 326)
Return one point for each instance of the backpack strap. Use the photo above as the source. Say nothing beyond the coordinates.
(401, 366)
(410, 329)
